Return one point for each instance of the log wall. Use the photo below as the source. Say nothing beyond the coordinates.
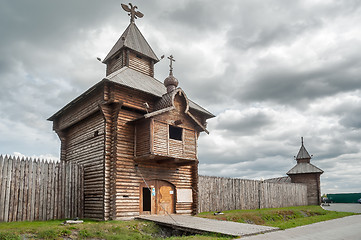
(78, 112)
(312, 180)
(220, 194)
(38, 190)
(85, 146)
(129, 177)
(142, 133)
(132, 60)
(132, 98)
(141, 64)
(116, 63)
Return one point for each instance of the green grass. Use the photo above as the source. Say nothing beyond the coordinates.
(279, 217)
(9, 236)
(142, 230)
(112, 230)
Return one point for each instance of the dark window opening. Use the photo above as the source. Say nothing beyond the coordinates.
(146, 199)
(138, 56)
(117, 57)
(96, 133)
(175, 133)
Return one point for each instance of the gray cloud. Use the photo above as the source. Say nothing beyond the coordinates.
(272, 72)
(291, 86)
(247, 124)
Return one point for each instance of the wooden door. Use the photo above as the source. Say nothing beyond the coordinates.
(165, 199)
(157, 199)
(147, 201)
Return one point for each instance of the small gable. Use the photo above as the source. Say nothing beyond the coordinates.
(180, 102)
(168, 133)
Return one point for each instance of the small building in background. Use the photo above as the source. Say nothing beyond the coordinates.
(344, 197)
(307, 173)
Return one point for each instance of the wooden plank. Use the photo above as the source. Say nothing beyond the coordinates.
(14, 191)
(3, 178)
(19, 214)
(73, 191)
(42, 179)
(56, 190)
(81, 204)
(26, 190)
(9, 174)
(32, 190)
(61, 191)
(67, 187)
(52, 190)
(45, 190)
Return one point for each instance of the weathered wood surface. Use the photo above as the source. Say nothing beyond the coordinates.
(132, 60)
(130, 177)
(96, 132)
(39, 190)
(84, 145)
(220, 194)
(312, 180)
(141, 64)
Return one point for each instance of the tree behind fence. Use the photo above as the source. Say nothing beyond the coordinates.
(220, 194)
(39, 190)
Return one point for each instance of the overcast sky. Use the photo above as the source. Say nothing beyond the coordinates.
(271, 71)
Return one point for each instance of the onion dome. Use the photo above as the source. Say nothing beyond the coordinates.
(170, 83)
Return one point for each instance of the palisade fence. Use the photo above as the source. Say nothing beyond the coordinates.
(221, 194)
(33, 189)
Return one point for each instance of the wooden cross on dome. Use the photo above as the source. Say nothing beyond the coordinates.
(171, 60)
(132, 12)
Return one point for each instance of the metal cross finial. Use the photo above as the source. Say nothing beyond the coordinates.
(132, 12)
(171, 60)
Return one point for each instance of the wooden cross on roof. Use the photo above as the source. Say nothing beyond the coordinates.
(132, 12)
(171, 60)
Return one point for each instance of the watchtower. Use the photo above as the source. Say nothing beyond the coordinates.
(306, 173)
(135, 136)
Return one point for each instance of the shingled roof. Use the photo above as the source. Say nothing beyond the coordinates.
(302, 153)
(133, 39)
(303, 163)
(304, 168)
(139, 81)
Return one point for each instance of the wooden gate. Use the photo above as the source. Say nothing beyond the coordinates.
(157, 198)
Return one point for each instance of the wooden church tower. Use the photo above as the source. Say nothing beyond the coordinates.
(135, 136)
(307, 173)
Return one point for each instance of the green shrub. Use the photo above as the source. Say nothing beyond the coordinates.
(48, 234)
(65, 233)
(85, 234)
(9, 236)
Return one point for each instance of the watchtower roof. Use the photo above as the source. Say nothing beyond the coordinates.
(303, 163)
(302, 153)
(304, 168)
(133, 39)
